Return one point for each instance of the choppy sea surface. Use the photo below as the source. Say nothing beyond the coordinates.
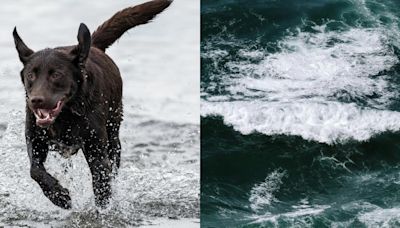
(300, 113)
(159, 175)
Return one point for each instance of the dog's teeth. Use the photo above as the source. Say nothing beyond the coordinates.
(37, 114)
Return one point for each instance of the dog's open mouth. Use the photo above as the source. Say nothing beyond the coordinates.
(46, 117)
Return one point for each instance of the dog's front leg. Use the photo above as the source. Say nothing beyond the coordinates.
(37, 150)
(100, 167)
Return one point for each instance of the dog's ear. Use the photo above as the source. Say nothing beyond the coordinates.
(23, 51)
(81, 52)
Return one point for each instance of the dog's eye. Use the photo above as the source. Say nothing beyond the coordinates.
(30, 76)
(55, 75)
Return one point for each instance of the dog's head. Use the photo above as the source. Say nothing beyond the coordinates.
(52, 77)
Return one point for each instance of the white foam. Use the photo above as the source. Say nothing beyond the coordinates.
(300, 214)
(381, 217)
(328, 123)
(261, 194)
(309, 67)
(302, 88)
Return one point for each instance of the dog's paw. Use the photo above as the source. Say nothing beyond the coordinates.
(59, 196)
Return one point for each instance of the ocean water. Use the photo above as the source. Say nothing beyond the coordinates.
(159, 175)
(300, 113)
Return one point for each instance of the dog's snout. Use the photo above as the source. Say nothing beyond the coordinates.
(37, 100)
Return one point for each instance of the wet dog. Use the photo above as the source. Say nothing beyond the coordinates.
(74, 101)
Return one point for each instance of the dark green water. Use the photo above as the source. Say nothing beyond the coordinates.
(300, 113)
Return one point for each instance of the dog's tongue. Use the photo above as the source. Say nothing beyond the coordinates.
(44, 118)
(44, 113)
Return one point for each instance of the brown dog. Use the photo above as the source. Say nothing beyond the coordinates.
(74, 101)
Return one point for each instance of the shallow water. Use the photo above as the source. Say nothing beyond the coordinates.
(159, 175)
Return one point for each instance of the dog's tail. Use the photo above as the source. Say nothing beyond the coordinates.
(111, 30)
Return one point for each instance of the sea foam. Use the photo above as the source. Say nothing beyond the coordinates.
(322, 85)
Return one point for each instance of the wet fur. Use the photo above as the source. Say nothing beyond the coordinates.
(92, 114)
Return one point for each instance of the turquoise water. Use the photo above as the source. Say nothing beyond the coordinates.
(300, 113)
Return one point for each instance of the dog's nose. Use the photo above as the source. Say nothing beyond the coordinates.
(37, 100)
